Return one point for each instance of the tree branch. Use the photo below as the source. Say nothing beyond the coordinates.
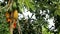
(19, 28)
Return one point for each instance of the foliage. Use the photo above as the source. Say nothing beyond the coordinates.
(34, 6)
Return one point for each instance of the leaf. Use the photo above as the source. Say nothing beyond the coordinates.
(29, 4)
(57, 12)
(14, 5)
(21, 3)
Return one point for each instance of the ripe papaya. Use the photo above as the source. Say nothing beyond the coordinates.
(15, 15)
(14, 24)
(7, 15)
(8, 20)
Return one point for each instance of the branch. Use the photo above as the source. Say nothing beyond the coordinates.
(8, 5)
(19, 29)
(11, 27)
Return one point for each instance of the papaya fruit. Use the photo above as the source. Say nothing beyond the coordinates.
(7, 15)
(15, 15)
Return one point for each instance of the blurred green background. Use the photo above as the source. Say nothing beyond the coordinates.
(42, 10)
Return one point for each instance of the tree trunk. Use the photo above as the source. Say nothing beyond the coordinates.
(11, 28)
(19, 29)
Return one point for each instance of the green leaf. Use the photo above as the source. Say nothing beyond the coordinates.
(29, 4)
(14, 5)
(57, 12)
(21, 3)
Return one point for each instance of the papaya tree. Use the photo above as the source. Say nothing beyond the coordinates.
(11, 24)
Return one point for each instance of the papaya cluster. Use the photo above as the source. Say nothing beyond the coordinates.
(11, 17)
